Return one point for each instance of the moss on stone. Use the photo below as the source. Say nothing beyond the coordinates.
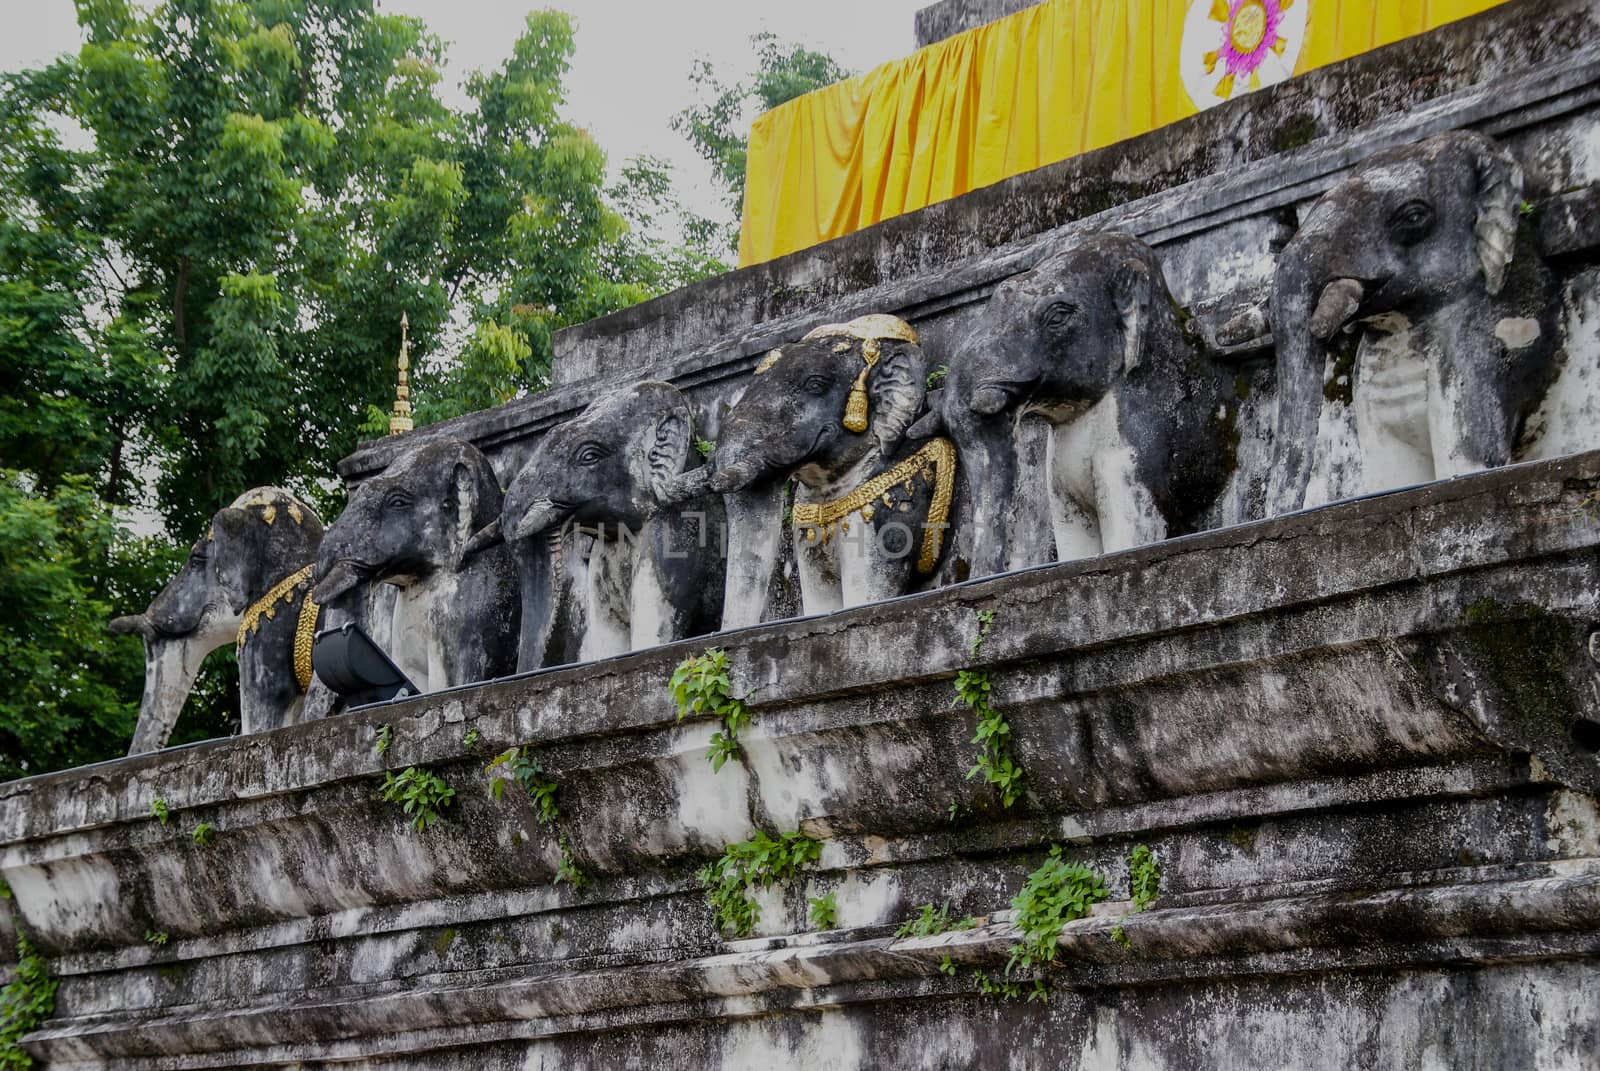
(1518, 652)
(1294, 132)
(1341, 382)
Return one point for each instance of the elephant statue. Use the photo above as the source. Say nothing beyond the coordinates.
(1412, 294)
(245, 582)
(870, 509)
(653, 571)
(1141, 416)
(455, 614)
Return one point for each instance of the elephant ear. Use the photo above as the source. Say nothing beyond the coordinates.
(464, 483)
(898, 384)
(1132, 289)
(231, 523)
(1499, 193)
(668, 450)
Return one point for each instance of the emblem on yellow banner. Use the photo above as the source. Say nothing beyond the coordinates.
(1238, 46)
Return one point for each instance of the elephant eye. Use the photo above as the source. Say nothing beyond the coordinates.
(817, 385)
(1058, 315)
(397, 499)
(1412, 222)
(591, 454)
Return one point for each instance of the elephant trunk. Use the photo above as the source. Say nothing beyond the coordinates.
(539, 577)
(755, 552)
(1305, 316)
(685, 487)
(738, 475)
(170, 667)
(989, 477)
(540, 517)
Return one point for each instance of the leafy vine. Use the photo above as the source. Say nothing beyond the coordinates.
(758, 862)
(700, 686)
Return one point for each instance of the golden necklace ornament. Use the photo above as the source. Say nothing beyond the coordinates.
(305, 628)
(935, 463)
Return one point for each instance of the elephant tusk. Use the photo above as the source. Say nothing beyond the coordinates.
(483, 539)
(1338, 305)
(1246, 325)
(132, 625)
(987, 401)
(341, 578)
(677, 490)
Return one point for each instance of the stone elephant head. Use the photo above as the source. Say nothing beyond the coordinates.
(456, 616)
(831, 412)
(265, 537)
(1413, 279)
(1092, 341)
(653, 570)
(819, 408)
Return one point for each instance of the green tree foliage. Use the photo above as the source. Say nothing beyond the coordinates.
(718, 126)
(201, 286)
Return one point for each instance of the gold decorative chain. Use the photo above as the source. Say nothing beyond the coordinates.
(305, 630)
(935, 462)
(305, 626)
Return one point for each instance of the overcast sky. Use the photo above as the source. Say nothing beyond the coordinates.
(630, 75)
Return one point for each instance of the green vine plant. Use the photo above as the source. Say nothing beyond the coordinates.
(704, 446)
(158, 938)
(470, 739)
(700, 686)
(995, 761)
(985, 626)
(204, 833)
(385, 737)
(25, 1002)
(518, 765)
(159, 811)
(759, 862)
(1144, 886)
(823, 911)
(1589, 506)
(1057, 893)
(568, 870)
(931, 921)
(422, 792)
(937, 376)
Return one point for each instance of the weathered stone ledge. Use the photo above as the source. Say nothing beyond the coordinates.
(1353, 736)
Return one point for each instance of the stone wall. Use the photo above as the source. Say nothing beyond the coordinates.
(1370, 784)
(950, 17)
(1363, 741)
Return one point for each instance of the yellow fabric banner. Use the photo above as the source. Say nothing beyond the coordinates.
(1049, 82)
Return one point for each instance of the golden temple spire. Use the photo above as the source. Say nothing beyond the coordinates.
(400, 418)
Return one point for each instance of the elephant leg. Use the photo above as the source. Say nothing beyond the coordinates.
(411, 637)
(654, 616)
(607, 603)
(170, 667)
(821, 575)
(1393, 420)
(320, 701)
(1128, 513)
(1074, 509)
(872, 569)
(1077, 532)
